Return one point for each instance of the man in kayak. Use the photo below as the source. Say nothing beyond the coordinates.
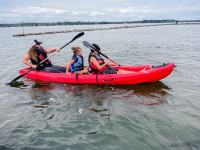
(98, 65)
(37, 54)
(76, 65)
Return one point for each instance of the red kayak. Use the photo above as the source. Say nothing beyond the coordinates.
(145, 73)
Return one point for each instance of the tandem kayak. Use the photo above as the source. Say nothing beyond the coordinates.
(142, 74)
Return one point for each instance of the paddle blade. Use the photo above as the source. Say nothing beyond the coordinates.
(17, 78)
(76, 37)
(90, 46)
(20, 76)
(14, 80)
(17, 84)
(86, 44)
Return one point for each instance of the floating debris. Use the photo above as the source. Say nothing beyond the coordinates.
(97, 29)
(96, 110)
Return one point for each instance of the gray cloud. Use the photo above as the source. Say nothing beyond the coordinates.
(95, 10)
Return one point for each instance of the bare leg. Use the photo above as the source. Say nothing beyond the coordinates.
(121, 71)
(143, 69)
(83, 71)
(124, 71)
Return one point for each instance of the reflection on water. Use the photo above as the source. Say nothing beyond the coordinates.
(94, 99)
(145, 88)
(55, 101)
(145, 94)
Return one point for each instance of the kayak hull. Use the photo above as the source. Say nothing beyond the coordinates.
(150, 74)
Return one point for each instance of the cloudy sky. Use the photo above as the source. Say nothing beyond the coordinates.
(14, 11)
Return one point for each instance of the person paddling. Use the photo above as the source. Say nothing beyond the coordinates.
(98, 65)
(76, 65)
(36, 54)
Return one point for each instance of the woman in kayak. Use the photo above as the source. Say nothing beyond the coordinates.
(37, 54)
(98, 65)
(76, 65)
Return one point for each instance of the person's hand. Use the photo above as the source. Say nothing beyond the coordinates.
(68, 73)
(57, 49)
(34, 66)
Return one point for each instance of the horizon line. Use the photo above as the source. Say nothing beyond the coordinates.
(22, 22)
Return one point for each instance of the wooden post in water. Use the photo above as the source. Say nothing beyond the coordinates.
(22, 26)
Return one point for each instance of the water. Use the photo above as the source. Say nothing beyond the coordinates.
(160, 115)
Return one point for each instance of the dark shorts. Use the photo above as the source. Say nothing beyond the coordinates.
(110, 71)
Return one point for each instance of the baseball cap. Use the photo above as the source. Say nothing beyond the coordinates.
(37, 42)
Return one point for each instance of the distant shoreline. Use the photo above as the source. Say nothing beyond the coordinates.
(109, 28)
(23, 24)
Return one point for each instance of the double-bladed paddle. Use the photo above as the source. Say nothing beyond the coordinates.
(90, 46)
(76, 37)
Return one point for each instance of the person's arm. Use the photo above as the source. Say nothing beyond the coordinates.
(99, 67)
(69, 65)
(112, 64)
(25, 61)
(52, 50)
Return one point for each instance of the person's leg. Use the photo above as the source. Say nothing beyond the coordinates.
(51, 69)
(83, 71)
(62, 69)
(124, 71)
(121, 71)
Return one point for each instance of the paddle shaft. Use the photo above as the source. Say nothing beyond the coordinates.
(77, 36)
(108, 57)
(90, 46)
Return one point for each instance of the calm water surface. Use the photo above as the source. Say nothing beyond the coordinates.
(160, 115)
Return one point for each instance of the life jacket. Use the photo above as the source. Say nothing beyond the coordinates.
(78, 65)
(99, 60)
(41, 55)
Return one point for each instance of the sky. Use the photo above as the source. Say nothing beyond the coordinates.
(16, 11)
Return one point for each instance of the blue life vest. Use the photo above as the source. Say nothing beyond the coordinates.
(78, 65)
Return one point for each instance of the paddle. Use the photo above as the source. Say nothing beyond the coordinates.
(76, 37)
(90, 46)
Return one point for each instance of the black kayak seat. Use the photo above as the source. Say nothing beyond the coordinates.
(158, 66)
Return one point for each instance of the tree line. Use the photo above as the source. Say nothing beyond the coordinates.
(91, 23)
